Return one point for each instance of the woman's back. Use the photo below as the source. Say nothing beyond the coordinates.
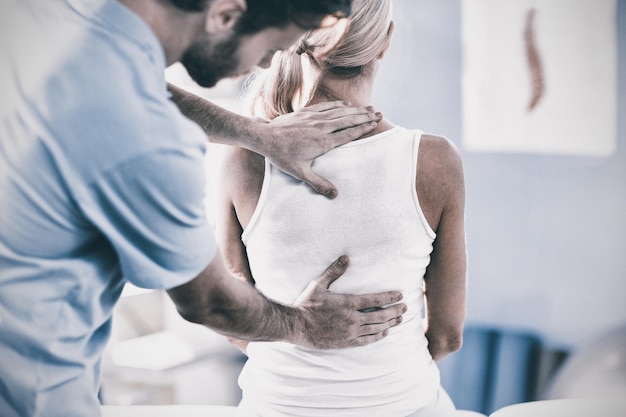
(376, 220)
(291, 234)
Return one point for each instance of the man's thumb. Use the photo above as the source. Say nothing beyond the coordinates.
(334, 271)
(320, 185)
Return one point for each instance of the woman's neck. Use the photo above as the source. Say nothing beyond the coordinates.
(357, 91)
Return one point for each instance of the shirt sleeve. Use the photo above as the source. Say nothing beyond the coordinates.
(151, 209)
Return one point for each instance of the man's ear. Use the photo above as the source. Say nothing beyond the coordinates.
(392, 26)
(224, 14)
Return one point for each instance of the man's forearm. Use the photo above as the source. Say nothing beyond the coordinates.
(318, 319)
(221, 126)
(233, 307)
(251, 316)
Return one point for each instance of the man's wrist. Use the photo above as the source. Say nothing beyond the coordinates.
(221, 125)
(292, 322)
(256, 136)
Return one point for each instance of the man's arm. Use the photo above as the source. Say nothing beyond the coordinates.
(319, 319)
(292, 141)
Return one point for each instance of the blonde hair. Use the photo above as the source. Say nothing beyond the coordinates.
(280, 89)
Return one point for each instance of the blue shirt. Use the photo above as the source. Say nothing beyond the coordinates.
(101, 182)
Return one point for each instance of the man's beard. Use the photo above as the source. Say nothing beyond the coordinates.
(207, 64)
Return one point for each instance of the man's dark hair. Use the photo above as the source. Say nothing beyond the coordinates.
(190, 5)
(263, 14)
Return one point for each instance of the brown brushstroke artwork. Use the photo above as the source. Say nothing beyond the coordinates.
(534, 61)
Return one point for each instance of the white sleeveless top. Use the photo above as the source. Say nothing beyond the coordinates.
(294, 234)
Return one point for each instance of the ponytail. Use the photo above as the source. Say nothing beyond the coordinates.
(271, 92)
(340, 51)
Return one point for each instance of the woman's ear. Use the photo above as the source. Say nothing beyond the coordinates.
(223, 15)
(392, 26)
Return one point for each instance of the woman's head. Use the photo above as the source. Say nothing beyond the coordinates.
(335, 53)
(360, 45)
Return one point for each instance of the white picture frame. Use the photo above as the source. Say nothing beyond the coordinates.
(539, 76)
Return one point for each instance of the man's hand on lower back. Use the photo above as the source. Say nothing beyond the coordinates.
(329, 320)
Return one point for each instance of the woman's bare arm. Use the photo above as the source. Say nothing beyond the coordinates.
(441, 190)
(240, 169)
(241, 179)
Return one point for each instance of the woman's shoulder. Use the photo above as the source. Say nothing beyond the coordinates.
(242, 164)
(438, 153)
(439, 176)
(242, 171)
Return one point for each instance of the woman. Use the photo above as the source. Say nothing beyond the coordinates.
(399, 216)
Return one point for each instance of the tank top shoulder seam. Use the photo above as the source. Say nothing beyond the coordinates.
(417, 135)
(245, 235)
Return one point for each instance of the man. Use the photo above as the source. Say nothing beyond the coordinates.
(101, 183)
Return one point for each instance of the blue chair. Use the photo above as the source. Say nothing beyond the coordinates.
(493, 369)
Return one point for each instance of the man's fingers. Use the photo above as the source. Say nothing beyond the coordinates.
(348, 116)
(370, 329)
(320, 184)
(370, 333)
(383, 315)
(341, 110)
(334, 271)
(327, 105)
(345, 135)
(367, 339)
(375, 301)
(330, 118)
